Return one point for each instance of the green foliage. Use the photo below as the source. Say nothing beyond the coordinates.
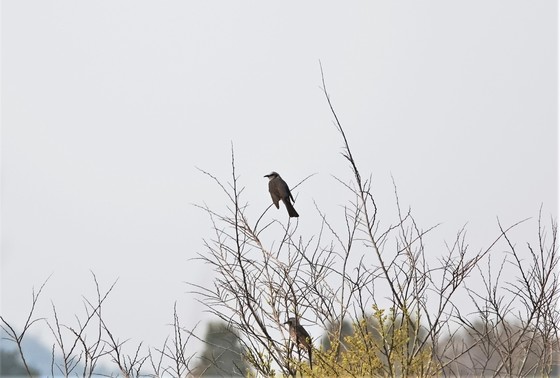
(263, 360)
(383, 344)
(400, 344)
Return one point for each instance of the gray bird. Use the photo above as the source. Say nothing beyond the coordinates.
(279, 190)
(300, 337)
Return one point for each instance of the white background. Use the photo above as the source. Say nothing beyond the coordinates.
(108, 107)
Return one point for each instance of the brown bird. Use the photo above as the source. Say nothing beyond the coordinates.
(279, 190)
(300, 337)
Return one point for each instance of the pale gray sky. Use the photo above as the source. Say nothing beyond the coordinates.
(108, 107)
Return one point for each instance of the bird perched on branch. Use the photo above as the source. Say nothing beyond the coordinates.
(300, 337)
(279, 190)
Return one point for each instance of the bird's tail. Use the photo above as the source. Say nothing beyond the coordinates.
(291, 211)
(310, 359)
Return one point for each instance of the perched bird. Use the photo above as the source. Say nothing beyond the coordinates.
(300, 337)
(279, 190)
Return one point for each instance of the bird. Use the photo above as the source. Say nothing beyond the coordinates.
(300, 337)
(279, 190)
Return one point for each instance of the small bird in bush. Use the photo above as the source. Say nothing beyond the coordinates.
(279, 190)
(300, 337)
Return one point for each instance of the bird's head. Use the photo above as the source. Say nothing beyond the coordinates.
(291, 321)
(272, 175)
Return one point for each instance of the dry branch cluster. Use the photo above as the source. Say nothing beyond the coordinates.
(407, 311)
(84, 345)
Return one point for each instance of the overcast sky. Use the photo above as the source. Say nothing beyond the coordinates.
(108, 107)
